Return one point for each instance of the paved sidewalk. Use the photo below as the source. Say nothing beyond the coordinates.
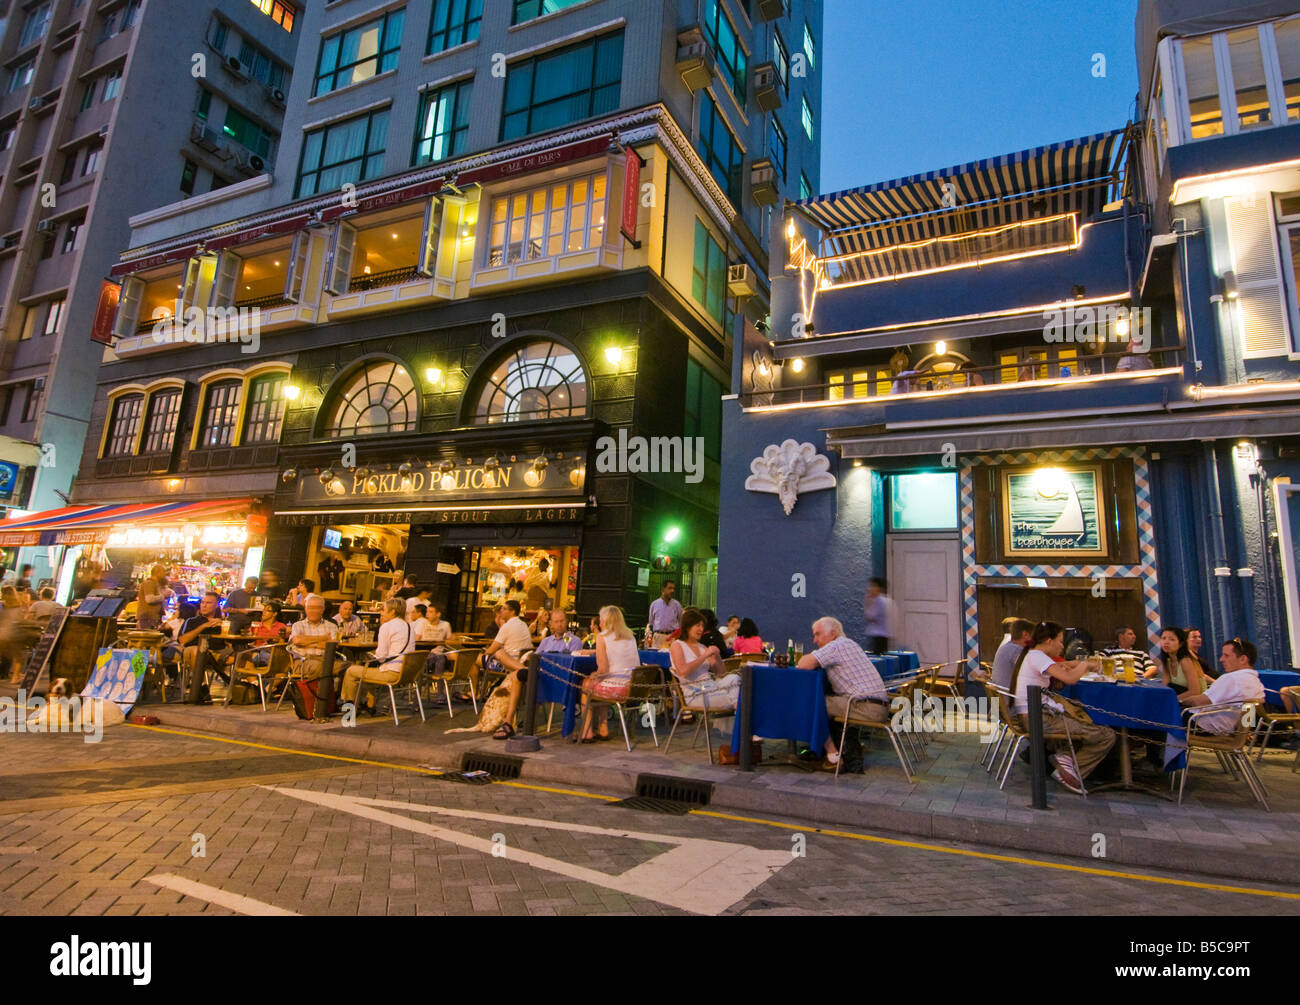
(1219, 830)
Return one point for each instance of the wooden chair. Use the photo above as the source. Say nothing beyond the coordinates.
(279, 664)
(462, 662)
(645, 680)
(699, 704)
(1231, 748)
(409, 676)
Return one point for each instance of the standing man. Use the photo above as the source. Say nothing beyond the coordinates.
(307, 639)
(879, 612)
(1239, 683)
(1004, 661)
(665, 615)
(151, 600)
(851, 675)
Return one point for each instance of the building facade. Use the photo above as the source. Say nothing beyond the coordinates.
(479, 322)
(87, 87)
(1056, 384)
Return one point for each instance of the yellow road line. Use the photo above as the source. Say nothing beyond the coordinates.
(851, 835)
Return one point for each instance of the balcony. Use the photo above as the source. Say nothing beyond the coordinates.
(390, 259)
(113, 48)
(94, 119)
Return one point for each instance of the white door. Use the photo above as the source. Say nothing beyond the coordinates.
(925, 585)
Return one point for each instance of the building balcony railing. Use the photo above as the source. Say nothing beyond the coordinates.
(378, 280)
(968, 378)
(263, 303)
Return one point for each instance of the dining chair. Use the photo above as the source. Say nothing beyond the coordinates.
(646, 679)
(887, 727)
(1232, 748)
(1271, 720)
(462, 662)
(408, 679)
(698, 704)
(278, 664)
(1014, 730)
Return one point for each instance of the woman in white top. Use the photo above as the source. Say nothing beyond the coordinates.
(694, 666)
(616, 657)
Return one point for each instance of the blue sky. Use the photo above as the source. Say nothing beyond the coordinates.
(909, 87)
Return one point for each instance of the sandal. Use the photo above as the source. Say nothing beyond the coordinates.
(504, 732)
(588, 739)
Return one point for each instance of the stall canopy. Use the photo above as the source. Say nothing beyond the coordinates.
(90, 524)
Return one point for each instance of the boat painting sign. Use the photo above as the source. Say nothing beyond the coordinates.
(1054, 511)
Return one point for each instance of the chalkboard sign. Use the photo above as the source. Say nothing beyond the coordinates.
(38, 662)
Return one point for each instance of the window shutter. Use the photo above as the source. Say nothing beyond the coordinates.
(128, 308)
(429, 240)
(193, 270)
(1261, 302)
(342, 247)
(223, 288)
(296, 280)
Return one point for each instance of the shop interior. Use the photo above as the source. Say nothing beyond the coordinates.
(356, 561)
(539, 578)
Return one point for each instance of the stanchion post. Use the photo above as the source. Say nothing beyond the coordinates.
(527, 741)
(746, 717)
(1037, 755)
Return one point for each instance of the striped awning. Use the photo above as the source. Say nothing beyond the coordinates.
(1014, 204)
(90, 524)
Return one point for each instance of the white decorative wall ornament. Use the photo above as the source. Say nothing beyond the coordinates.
(788, 470)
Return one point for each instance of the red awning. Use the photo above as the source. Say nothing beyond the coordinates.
(89, 524)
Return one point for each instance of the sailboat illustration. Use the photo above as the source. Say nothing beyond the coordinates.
(1071, 521)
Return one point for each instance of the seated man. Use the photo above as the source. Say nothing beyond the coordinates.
(850, 674)
(396, 638)
(1004, 661)
(308, 637)
(206, 622)
(347, 620)
(1125, 640)
(43, 609)
(1238, 684)
(505, 652)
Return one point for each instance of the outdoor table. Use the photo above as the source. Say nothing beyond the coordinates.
(1274, 681)
(1108, 702)
(907, 660)
(787, 704)
(561, 679)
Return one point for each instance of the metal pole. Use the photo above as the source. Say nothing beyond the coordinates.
(746, 717)
(527, 742)
(1037, 755)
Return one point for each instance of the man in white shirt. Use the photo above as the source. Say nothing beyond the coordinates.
(505, 652)
(421, 597)
(1239, 683)
(438, 631)
(665, 615)
(43, 609)
(308, 636)
(417, 617)
(396, 638)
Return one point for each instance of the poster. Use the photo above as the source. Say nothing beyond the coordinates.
(118, 677)
(1054, 511)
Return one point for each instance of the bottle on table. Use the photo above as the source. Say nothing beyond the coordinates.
(789, 651)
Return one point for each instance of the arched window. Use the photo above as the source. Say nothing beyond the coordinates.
(540, 380)
(164, 414)
(124, 428)
(220, 414)
(379, 398)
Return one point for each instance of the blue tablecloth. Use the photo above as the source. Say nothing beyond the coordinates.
(907, 661)
(1150, 703)
(789, 704)
(1274, 681)
(562, 676)
(887, 665)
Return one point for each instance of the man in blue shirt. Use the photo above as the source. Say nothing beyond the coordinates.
(559, 640)
(665, 615)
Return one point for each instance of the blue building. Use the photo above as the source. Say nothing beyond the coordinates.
(1060, 383)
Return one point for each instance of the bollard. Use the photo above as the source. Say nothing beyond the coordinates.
(745, 719)
(527, 741)
(1037, 754)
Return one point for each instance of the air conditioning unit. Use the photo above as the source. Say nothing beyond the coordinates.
(236, 66)
(762, 182)
(227, 153)
(46, 226)
(695, 64)
(767, 87)
(10, 241)
(39, 383)
(103, 130)
(740, 281)
(278, 97)
(770, 10)
(248, 163)
(36, 104)
(204, 137)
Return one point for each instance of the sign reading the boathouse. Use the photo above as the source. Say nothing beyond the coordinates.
(1054, 511)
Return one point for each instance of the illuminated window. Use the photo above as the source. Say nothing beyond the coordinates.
(1247, 61)
(443, 123)
(243, 130)
(543, 222)
(726, 46)
(809, 46)
(564, 86)
(360, 53)
(124, 426)
(279, 11)
(1202, 88)
(1287, 34)
(164, 415)
(454, 23)
(265, 409)
(923, 501)
(54, 316)
(220, 414)
(847, 384)
(809, 123)
(541, 380)
(380, 398)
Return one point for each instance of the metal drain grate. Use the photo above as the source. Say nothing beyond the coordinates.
(497, 765)
(668, 788)
(668, 806)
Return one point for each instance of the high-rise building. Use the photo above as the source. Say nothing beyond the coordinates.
(108, 110)
(483, 310)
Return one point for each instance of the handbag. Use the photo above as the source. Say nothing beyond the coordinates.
(313, 699)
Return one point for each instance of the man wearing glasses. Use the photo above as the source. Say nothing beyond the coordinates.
(1239, 683)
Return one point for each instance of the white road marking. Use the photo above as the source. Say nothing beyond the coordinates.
(214, 895)
(698, 875)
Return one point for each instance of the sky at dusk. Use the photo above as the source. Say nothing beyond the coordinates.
(911, 87)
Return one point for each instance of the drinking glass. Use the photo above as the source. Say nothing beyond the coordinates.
(769, 648)
(798, 651)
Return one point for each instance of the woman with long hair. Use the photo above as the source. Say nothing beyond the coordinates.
(1038, 666)
(616, 657)
(747, 638)
(1177, 667)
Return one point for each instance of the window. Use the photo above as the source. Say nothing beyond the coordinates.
(708, 272)
(526, 10)
(21, 75)
(189, 173)
(110, 27)
(91, 163)
(809, 46)
(131, 15)
(723, 40)
(87, 96)
(1287, 34)
(858, 383)
(246, 132)
(32, 407)
(205, 104)
(720, 150)
(1247, 61)
(6, 137)
(54, 316)
(6, 402)
(360, 53)
(380, 398)
(703, 409)
(564, 217)
(561, 87)
(71, 234)
(219, 33)
(29, 325)
(265, 409)
(164, 415)
(260, 66)
(124, 426)
(781, 57)
(805, 187)
(809, 126)
(349, 151)
(443, 125)
(541, 380)
(776, 145)
(1202, 88)
(923, 501)
(279, 11)
(36, 24)
(220, 413)
(454, 23)
(112, 84)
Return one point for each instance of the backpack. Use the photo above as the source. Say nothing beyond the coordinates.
(313, 699)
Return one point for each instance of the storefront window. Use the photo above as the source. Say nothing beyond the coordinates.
(379, 399)
(925, 501)
(160, 431)
(556, 220)
(265, 409)
(542, 380)
(220, 413)
(125, 426)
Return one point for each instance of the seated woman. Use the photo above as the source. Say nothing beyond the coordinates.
(747, 639)
(268, 632)
(1194, 643)
(712, 636)
(616, 657)
(694, 665)
(1177, 667)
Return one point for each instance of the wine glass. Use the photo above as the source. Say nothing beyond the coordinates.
(769, 648)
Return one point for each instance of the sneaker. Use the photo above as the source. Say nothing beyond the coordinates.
(1067, 773)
